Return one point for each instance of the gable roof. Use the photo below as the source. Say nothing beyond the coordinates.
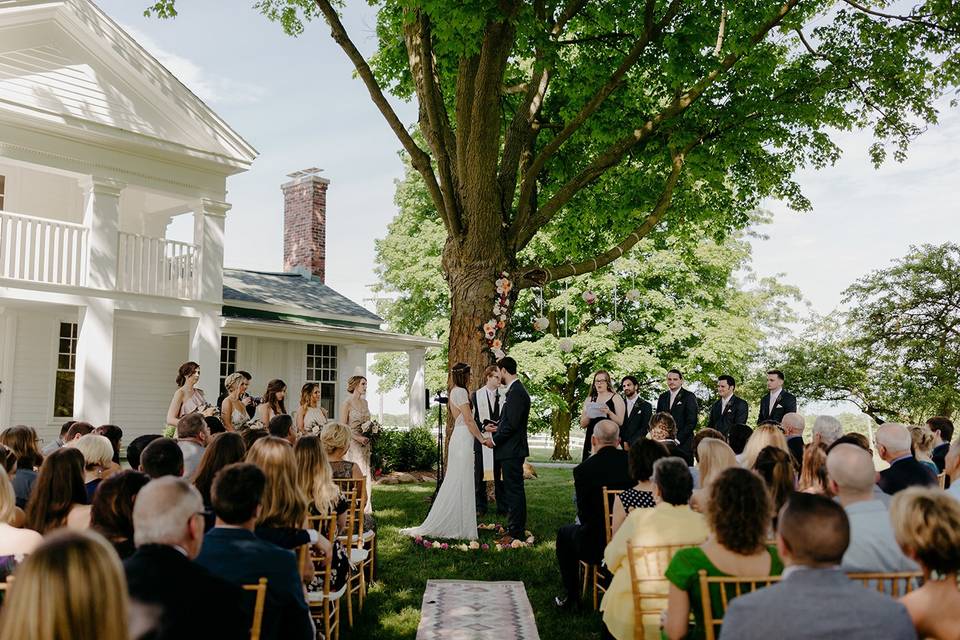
(66, 63)
(292, 294)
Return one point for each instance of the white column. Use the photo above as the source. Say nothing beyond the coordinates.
(94, 373)
(208, 220)
(8, 345)
(101, 217)
(415, 391)
(205, 351)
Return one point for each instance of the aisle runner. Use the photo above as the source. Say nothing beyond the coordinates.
(473, 610)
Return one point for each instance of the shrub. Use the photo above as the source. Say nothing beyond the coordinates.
(412, 450)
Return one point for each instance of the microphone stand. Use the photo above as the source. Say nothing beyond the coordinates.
(440, 400)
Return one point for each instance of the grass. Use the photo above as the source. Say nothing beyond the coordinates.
(392, 610)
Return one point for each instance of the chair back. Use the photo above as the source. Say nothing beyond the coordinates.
(326, 526)
(648, 564)
(728, 588)
(942, 480)
(353, 490)
(893, 584)
(260, 590)
(608, 497)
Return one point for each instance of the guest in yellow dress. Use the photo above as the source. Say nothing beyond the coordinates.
(670, 522)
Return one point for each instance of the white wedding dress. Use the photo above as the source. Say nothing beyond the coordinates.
(453, 514)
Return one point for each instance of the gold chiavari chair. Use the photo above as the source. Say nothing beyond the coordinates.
(895, 584)
(650, 588)
(368, 539)
(595, 570)
(325, 606)
(351, 538)
(260, 599)
(942, 480)
(724, 585)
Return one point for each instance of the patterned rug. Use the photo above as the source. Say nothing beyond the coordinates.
(474, 610)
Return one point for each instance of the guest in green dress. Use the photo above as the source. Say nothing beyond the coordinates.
(738, 516)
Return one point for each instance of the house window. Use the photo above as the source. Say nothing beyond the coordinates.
(322, 369)
(66, 370)
(228, 358)
(3, 190)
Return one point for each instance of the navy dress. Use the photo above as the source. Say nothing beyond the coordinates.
(593, 422)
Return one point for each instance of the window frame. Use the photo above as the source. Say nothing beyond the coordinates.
(73, 340)
(227, 364)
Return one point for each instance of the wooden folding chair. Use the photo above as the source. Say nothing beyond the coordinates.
(942, 480)
(889, 583)
(650, 588)
(352, 540)
(368, 539)
(325, 607)
(595, 570)
(260, 599)
(740, 585)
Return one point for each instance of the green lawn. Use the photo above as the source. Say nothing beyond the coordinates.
(392, 610)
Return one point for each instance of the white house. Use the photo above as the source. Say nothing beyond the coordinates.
(100, 147)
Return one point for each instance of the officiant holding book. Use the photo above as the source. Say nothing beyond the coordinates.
(601, 404)
(486, 403)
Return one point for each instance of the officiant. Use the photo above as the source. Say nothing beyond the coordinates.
(486, 407)
(602, 403)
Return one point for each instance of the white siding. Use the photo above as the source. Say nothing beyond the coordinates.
(144, 373)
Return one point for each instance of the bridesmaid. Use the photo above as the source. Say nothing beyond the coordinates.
(310, 416)
(611, 404)
(272, 404)
(355, 413)
(187, 398)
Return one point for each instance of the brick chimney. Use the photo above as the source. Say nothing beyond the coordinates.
(305, 223)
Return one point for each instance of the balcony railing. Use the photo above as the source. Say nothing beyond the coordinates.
(156, 266)
(42, 250)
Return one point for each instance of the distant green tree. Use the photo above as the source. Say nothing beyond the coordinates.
(895, 351)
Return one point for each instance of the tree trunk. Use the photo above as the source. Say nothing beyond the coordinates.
(560, 429)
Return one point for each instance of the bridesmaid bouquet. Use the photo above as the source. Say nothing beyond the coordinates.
(371, 429)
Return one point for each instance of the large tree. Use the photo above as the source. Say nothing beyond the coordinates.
(603, 119)
(895, 351)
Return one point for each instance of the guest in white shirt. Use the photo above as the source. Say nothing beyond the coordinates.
(873, 547)
(192, 437)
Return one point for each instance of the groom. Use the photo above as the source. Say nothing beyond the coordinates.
(510, 448)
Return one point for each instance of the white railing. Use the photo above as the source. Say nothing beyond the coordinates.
(42, 250)
(156, 266)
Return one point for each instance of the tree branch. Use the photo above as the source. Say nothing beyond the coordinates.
(616, 151)
(539, 276)
(890, 16)
(418, 157)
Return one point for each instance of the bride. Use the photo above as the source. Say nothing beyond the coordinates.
(453, 514)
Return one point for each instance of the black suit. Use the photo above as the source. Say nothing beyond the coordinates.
(939, 455)
(479, 485)
(192, 602)
(684, 411)
(734, 413)
(906, 472)
(786, 403)
(586, 541)
(636, 423)
(796, 446)
(510, 449)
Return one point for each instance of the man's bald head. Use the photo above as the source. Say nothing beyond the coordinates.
(893, 440)
(793, 424)
(851, 469)
(606, 432)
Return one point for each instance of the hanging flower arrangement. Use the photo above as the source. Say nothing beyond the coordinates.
(566, 345)
(499, 320)
(541, 324)
(615, 326)
(633, 295)
(589, 297)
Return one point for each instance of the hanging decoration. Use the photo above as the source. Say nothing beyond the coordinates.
(566, 345)
(633, 295)
(499, 320)
(589, 297)
(542, 323)
(615, 325)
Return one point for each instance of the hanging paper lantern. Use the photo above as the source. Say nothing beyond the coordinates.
(589, 297)
(615, 326)
(566, 345)
(633, 295)
(541, 324)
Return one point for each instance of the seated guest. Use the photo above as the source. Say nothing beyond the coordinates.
(893, 444)
(232, 551)
(872, 546)
(663, 429)
(766, 434)
(815, 599)
(670, 522)
(283, 508)
(98, 460)
(192, 437)
(813, 472)
(927, 527)
(8, 460)
(738, 437)
(826, 429)
(316, 479)
(114, 434)
(336, 438)
(640, 460)
(162, 457)
(192, 603)
(738, 516)
(942, 429)
(59, 498)
(698, 437)
(136, 447)
(111, 513)
(14, 543)
(84, 595)
(252, 435)
(281, 426)
(775, 466)
(793, 425)
(214, 426)
(224, 448)
(606, 467)
(923, 441)
(23, 441)
(715, 457)
(861, 441)
(56, 444)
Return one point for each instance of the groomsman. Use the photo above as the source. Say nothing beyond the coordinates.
(486, 405)
(638, 413)
(682, 405)
(729, 409)
(778, 402)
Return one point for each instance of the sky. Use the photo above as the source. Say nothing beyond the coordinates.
(297, 102)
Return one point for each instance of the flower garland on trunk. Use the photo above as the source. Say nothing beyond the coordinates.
(499, 320)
